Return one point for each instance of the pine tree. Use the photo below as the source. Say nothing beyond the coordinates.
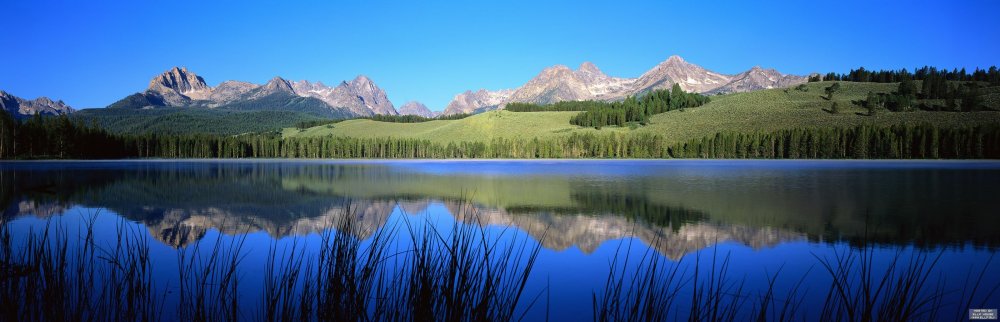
(832, 89)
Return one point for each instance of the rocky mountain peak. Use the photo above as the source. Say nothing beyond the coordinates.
(278, 84)
(559, 83)
(470, 102)
(758, 78)
(46, 100)
(590, 71)
(363, 83)
(367, 95)
(178, 80)
(416, 108)
(230, 90)
(588, 67)
(22, 108)
(361, 79)
(556, 69)
(674, 70)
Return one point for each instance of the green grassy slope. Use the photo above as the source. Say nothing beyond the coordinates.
(775, 109)
(764, 110)
(479, 127)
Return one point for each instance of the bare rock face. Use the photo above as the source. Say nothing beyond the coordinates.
(416, 108)
(230, 91)
(179, 87)
(371, 95)
(481, 100)
(22, 108)
(560, 83)
(757, 79)
(361, 96)
(276, 85)
(692, 78)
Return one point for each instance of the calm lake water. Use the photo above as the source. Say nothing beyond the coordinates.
(769, 218)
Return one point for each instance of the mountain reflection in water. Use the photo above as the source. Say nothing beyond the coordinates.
(761, 220)
(690, 206)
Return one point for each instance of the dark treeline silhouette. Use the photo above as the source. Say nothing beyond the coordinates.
(57, 137)
(991, 75)
(631, 110)
(862, 142)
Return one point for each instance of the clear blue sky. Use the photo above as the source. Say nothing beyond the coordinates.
(91, 53)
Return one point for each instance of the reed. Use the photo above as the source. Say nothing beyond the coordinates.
(45, 277)
(463, 272)
(643, 291)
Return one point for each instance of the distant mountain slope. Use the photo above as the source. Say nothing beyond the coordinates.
(416, 108)
(471, 102)
(23, 108)
(560, 83)
(674, 70)
(360, 95)
(757, 79)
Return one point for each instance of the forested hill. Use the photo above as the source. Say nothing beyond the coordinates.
(177, 121)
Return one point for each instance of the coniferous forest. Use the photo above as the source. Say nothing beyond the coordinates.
(938, 89)
(59, 138)
(631, 110)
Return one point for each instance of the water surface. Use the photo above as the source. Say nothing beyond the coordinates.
(765, 216)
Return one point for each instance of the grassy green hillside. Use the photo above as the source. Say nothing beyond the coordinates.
(764, 110)
(775, 109)
(479, 127)
(167, 120)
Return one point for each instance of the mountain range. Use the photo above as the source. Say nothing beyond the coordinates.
(359, 97)
(179, 87)
(23, 108)
(587, 82)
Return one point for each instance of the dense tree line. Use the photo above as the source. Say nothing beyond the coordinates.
(861, 142)
(964, 97)
(631, 110)
(58, 137)
(639, 109)
(991, 75)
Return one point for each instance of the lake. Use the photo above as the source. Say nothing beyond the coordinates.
(721, 235)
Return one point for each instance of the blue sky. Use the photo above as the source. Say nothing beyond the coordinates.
(92, 53)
